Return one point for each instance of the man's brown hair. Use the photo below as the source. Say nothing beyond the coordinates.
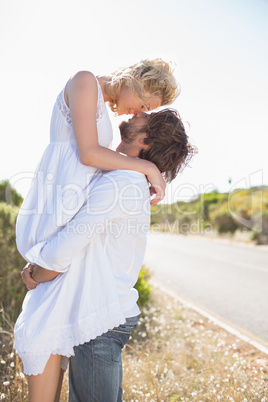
(170, 149)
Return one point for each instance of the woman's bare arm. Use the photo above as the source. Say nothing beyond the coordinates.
(82, 96)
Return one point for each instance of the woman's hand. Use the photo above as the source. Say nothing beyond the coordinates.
(158, 186)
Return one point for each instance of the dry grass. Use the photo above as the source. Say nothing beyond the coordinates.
(13, 384)
(178, 355)
(175, 354)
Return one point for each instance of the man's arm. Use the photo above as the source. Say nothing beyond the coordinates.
(40, 274)
(32, 275)
(112, 198)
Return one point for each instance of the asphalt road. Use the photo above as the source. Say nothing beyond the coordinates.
(226, 279)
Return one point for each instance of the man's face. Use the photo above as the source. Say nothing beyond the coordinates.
(132, 135)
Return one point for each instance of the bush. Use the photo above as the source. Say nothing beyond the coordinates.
(12, 289)
(261, 236)
(9, 194)
(143, 287)
(225, 223)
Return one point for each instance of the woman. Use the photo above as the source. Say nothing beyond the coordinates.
(80, 136)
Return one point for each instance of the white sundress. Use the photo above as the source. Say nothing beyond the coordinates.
(80, 304)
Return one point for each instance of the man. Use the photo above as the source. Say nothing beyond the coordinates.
(110, 229)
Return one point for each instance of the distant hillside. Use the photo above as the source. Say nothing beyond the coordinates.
(241, 210)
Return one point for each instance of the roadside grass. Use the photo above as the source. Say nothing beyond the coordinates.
(175, 354)
(13, 384)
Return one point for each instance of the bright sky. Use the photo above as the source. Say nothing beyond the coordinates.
(221, 56)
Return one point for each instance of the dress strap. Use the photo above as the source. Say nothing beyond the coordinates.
(65, 110)
(100, 104)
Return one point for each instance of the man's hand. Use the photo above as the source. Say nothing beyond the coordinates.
(32, 275)
(27, 278)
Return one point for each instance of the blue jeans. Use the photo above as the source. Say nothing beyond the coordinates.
(95, 372)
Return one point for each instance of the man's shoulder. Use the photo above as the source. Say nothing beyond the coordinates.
(122, 180)
(126, 175)
(123, 176)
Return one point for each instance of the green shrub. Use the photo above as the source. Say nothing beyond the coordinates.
(261, 236)
(9, 194)
(225, 223)
(12, 289)
(143, 287)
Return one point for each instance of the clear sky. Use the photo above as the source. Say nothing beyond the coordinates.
(220, 51)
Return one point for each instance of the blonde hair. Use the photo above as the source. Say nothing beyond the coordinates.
(153, 76)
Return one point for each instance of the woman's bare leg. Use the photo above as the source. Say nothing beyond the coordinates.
(43, 387)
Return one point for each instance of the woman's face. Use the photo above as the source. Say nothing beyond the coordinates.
(128, 103)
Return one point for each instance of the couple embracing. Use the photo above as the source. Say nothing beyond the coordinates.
(83, 230)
